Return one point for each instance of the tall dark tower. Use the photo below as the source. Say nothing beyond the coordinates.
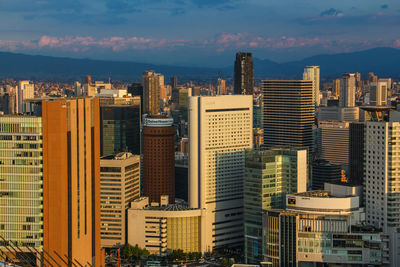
(244, 74)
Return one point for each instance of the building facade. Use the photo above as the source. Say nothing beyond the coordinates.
(288, 113)
(356, 152)
(120, 122)
(71, 179)
(378, 93)
(243, 74)
(323, 227)
(119, 185)
(158, 158)
(269, 176)
(163, 226)
(333, 142)
(151, 92)
(347, 96)
(21, 181)
(220, 131)
(311, 73)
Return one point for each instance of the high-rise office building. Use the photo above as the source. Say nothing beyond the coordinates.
(357, 76)
(333, 142)
(158, 158)
(221, 87)
(336, 87)
(136, 89)
(312, 73)
(243, 74)
(378, 92)
(174, 82)
(119, 185)
(71, 180)
(220, 130)
(151, 92)
(120, 125)
(21, 181)
(269, 176)
(25, 90)
(372, 78)
(288, 113)
(356, 152)
(347, 96)
(381, 174)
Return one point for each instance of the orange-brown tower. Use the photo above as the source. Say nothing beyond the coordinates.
(71, 181)
(158, 158)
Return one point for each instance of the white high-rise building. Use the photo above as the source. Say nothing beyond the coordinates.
(382, 173)
(347, 96)
(382, 181)
(378, 93)
(220, 131)
(26, 90)
(311, 73)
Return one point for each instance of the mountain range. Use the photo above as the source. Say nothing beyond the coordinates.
(382, 61)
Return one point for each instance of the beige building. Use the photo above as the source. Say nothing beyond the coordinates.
(221, 128)
(311, 73)
(151, 91)
(119, 185)
(25, 90)
(161, 226)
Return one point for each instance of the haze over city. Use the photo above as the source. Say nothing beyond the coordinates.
(196, 32)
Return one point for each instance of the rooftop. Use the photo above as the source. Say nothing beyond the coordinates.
(119, 156)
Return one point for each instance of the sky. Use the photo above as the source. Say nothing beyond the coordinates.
(196, 32)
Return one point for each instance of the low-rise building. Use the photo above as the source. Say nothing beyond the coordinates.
(161, 226)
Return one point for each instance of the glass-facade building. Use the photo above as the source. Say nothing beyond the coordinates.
(120, 125)
(269, 176)
(21, 181)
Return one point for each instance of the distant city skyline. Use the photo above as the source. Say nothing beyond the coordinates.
(205, 32)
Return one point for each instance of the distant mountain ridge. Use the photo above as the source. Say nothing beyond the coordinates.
(382, 61)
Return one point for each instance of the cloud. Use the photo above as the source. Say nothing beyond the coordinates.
(372, 19)
(385, 6)
(332, 12)
(219, 43)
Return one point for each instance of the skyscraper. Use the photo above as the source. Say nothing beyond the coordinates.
(71, 181)
(311, 73)
(288, 113)
(26, 90)
(120, 125)
(381, 174)
(244, 74)
(174, 82)
(136, 89)
(151, 92)
(333, 142)
(347, 90)
(269, 176)
(21, 181)
(378, 92)
(120, 184)
(158, 158)
(220, 131)
(221, 87)
(336, 87)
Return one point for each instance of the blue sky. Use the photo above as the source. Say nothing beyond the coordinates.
(196, 32)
